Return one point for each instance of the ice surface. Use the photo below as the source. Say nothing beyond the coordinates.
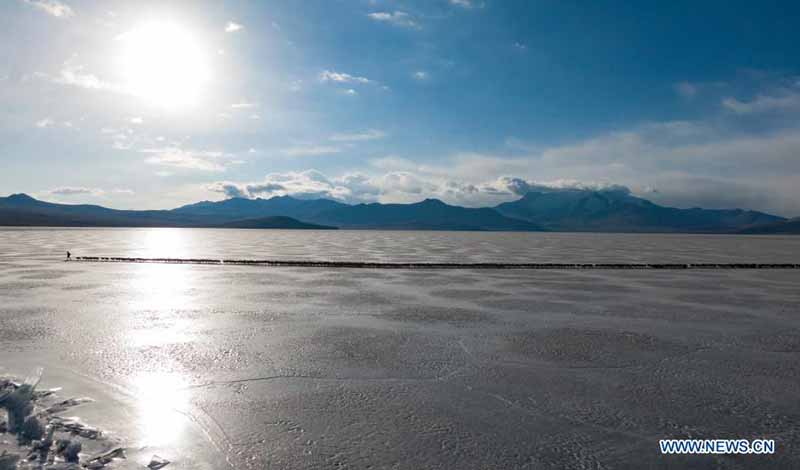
(249, 368)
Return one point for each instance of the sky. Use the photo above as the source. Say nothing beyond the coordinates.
(159, 104)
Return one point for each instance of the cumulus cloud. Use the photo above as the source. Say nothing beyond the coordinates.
(370, 134)
(396, 186)
(521, 187)
(232, 27)
(229, 189)
(304, 185)
(397, 18)
(341, 77)
(52, 7)
(681, 160)
(201, 160)
(46, 122)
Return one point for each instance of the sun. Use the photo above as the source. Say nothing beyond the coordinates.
(164, 64)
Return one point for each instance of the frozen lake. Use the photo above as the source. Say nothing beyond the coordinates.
(252, 367)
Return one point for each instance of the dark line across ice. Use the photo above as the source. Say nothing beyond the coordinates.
(377, 265)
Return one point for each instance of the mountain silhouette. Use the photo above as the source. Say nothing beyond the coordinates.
(552, 210)
(783, 227)
(618, 211)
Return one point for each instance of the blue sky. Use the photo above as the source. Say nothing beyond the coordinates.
(157, 104)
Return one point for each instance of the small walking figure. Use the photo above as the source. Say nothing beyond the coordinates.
(69, 256)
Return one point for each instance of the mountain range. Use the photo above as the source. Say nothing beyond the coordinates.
(578, 210)
(542, 210)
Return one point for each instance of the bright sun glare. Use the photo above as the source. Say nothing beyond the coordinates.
(164, 64)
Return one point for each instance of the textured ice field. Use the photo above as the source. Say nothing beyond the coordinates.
(251, 367)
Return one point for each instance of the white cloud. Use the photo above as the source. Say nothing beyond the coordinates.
(75, 191)
(789, 101)
(395, 186)
(341, 77)
(46, 122)
(310, 150)
(85, 191)
(397, 18)
(136, 120)
(370, 134)
(353, 187)
(74, 75)
(232, 27)
(686, 89)
(52, 7)
(465, 4)
(244, 105)
(201, 160)
(420, 75)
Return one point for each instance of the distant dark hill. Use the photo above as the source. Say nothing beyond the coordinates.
(785, 227)
(23, 210)
(274, 222)
(241, 208)
(430, 214)
(618, 211)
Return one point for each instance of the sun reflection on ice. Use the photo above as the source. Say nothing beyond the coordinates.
(162, 287)
(162, 404)
(161, 293)
(166, 243)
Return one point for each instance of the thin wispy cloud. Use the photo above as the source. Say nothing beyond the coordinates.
(310, 150)
(371, 134)
(341, 77)
(52, 7)
(764, 104)
(74, 191)
(176, 157)
(244, 105)
(396, 18)
(46, 122)
(232, 27)
(74, 75)
(420, 75)
(686, 89)
(87, 191)
(468, 4)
